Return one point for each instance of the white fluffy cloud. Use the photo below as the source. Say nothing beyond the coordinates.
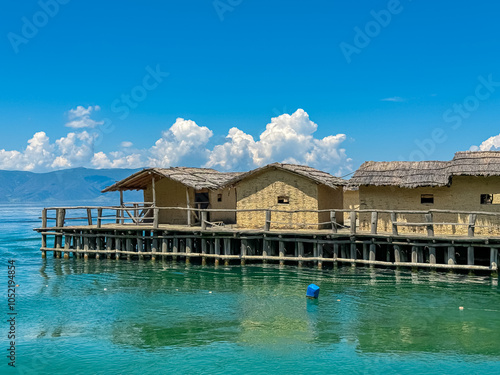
(491, 144)
(287, 138)
(80, 117)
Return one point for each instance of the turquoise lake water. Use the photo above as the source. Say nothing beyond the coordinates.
(119, 317)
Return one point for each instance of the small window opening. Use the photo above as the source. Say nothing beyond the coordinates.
(486, 198)
(283, 200)
(427, 198)
(219, 197)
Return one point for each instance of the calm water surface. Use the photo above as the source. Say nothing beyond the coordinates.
(109, 317)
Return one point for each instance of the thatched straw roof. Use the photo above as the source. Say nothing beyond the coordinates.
(310, 173)
(427, 173)
(196, 178)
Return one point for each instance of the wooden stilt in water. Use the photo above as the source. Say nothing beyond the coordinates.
(154, 247)
(432, 255)
(494, 258)
(109, 246)
(217, 250)
(140, 245)
(244, 244)
(67, 246)
(164, 246)
(335, 251)
(373, 251)
(397, 254)
(266, 245)
(281, 246)
(189, 248)
(365, 251)
(300, 249)
(175, 249)
(451, 255)
(203, 249)
(86, 247)
(470, 255)
(227, 250)
(320, 255)
(118, 247)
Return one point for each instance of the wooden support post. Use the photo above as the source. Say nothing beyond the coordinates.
(333, 220)
(266, 249)
(335, 250)
(189, 249)
(430, 226)
(353, 221)
(188, 206)
(470, 255)
(60, 217)
(154, 247)
(493, 258)
(156, 218)
(140, 245)
(227, 250)
(451, 255)
(373, 252)
(320, 255)
(98, 246)
(300, 252)
(217, 250)
(414, 255)
(118, 215)
(118, 247)
(203, 250)
(164, 246)
(267, 226)
(44, 218)
(374, 222)
(128, 244)
(420, 254)
(67, 246)
(89, 216)
(353, 250)
(85, 248)
(78, 245)
(394, 219)
(204, 220)
(154, 190)
(109, 246)
(365, 251)
(472, 223)
(99, 217)
(244, 244)
(432, 255)
(343, 251)
(397, 254)
(282, 251)
(175, 247)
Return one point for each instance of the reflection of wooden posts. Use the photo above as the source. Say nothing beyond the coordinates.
(394, 220)
(267, 225)
(374, 222)
(430, 226)
(472, 223)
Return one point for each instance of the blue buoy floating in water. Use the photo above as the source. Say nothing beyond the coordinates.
(312, 291)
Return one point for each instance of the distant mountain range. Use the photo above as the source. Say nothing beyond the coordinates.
(78, 184)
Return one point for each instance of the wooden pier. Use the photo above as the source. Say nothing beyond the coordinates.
(133, 232)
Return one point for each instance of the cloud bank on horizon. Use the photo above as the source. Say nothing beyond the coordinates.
(491, 144)
(287, 138)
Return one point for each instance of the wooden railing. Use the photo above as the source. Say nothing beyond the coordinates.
(360, 221)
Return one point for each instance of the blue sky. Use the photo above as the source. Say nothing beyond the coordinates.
(344, 81)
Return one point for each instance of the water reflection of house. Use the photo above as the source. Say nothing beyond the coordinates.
(469, 182)
(183, 187)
